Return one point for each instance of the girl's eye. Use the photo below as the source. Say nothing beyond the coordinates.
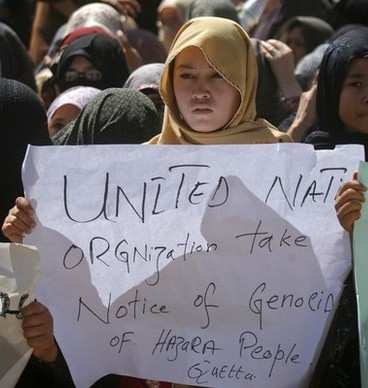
(186, 75)
(354, 84)
(58, 125)
(217, 75)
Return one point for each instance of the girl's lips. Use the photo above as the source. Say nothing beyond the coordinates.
(201, 108)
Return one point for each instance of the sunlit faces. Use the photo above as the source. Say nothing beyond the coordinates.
(206, 101)
(62, 116)
(353, 107)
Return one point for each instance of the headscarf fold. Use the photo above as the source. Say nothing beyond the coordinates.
(114, 116)
(228, 49)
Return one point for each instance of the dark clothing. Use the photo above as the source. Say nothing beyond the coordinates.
(268, 99)
(339, 364)
(348, 12)
(38, 374)
(22, 122)
(15, 61)
(147, 18)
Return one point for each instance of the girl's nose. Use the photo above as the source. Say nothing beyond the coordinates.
(200, 91)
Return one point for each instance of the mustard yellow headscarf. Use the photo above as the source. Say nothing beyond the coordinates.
(228, 49)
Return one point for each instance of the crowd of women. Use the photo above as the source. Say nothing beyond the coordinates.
(183, 72)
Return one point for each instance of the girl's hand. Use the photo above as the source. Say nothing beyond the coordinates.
(38, 330)
(281, 59)
(19, 220)
(348, 203)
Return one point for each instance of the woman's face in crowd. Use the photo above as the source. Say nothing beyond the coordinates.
(353, 107)
(80, 66)
(296, 42)
(62, 116)
(205, 100)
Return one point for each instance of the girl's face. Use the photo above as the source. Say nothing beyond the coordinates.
(353, 106)
(62, 116)
(79, 67)
(205, 100)
(296, 42)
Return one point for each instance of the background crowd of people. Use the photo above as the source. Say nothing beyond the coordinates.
(126, 72)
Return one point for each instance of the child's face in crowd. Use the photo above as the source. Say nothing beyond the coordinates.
(62, 116)
(205, 100)
(353, 107)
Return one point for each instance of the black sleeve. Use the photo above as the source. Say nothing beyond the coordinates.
(38, 374)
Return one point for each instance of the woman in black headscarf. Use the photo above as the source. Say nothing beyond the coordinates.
(338, 58)
(106, 65)
(22, 121)
(114, 116)
(342, 110)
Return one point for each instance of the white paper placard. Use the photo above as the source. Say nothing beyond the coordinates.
(204, 265)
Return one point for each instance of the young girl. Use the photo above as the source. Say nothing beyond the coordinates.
(342, 114)
(67, 106)
(209, 88)
(342, 108)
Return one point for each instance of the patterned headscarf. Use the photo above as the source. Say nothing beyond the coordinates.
(145, 77)
(78, 96)
(95, 15)
(228, 49)
(114, 116)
